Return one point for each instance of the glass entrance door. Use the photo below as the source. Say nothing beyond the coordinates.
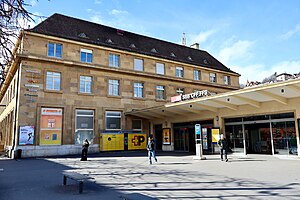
(181, 139)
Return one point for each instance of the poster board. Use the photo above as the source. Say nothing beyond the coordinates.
(215, 135)
(51, 126)
(26, 135)
(167, 136)
(137, 141)
(112, 141)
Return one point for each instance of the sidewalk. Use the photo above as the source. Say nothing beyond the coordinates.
(129, 176)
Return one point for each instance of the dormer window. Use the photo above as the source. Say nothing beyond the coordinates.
(153, 50)
(173, 55)
(82, 35)
(189, 58)
(109, 41)
(132, 46)
(205, 61)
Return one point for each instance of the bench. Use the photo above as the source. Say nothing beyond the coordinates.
(76, 177)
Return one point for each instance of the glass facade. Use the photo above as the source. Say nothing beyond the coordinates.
(264, 134)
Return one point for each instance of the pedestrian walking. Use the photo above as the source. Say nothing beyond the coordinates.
(84, 151)
(151, 149)
(223, 147)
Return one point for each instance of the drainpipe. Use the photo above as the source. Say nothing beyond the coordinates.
(16, 114)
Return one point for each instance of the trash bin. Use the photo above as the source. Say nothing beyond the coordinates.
(18, 154)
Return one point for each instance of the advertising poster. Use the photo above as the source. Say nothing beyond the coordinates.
(51, 126)
(26, 135)
(166, 136)
(112, 141)
(137, 141)
(215, 132)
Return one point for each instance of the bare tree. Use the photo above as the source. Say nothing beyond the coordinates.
(13, 14)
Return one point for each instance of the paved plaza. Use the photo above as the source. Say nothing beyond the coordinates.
(129, 176)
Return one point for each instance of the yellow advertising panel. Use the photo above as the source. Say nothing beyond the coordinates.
(112, 141)
(51, 126)
(137, 141)
(166, 136)
(215, 134)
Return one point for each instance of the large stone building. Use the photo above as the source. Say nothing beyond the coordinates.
(73, 79)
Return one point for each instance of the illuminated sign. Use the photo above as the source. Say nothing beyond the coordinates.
(194, 95)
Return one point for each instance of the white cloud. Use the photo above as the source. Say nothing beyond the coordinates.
(201, 37)
(118, 12)
(257, 72)
(291, 33)
(96, 19)
(239, 50)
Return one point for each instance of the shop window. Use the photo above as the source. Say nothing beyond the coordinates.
(114, 60)
(84, 126)
(86, 55)
(85, 84)
(53, 81)
(138, 64)
(54, 50)
(113, 120)
(136, 124)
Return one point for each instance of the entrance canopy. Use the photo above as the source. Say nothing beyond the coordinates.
(280, 92)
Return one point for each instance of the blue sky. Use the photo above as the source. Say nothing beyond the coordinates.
(252, 37)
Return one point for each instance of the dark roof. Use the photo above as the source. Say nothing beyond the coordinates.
(79, 30)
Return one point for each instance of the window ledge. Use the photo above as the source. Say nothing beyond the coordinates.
(54, 91)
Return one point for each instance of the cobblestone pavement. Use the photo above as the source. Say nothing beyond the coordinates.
(172, 177)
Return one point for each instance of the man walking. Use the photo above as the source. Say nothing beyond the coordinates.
(151, 149)
(223, 147)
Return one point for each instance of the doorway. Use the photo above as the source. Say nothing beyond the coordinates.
(158, 136)
(258, 138)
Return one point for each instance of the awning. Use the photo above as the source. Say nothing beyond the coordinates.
(280, 92)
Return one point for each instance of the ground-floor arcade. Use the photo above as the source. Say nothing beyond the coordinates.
(260, 120)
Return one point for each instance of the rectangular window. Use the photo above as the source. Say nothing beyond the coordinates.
(160, 92)
(113, 87)
(136, 124)
(53, 81)
(179, 72)
(197, 75)
(54, 50)
(138, 90)
(138, 64)
(86, 55)
(213, 77)
(84, 126)
(180, 91)
(160, 68)
(114, 60)
(227, 80)
(113, 120)
(85, 84)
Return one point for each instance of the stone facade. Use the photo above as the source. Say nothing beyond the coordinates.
(23, 104)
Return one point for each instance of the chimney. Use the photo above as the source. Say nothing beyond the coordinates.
(183, 39)
(195, 46)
